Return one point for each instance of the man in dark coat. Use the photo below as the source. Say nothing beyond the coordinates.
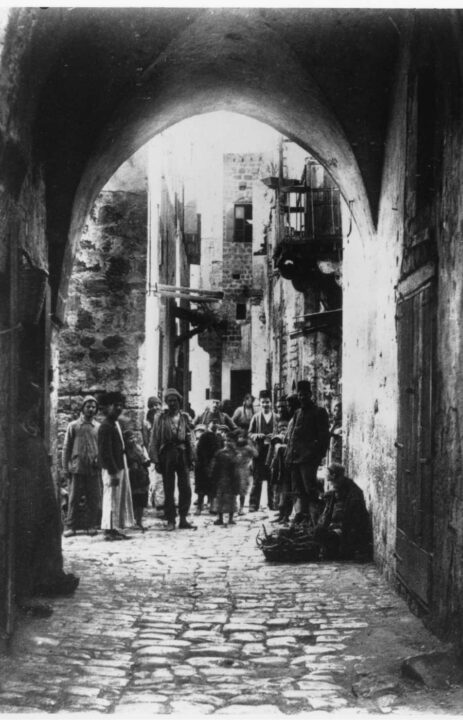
(307, 442)
(171, 451)
(344, 529)
(117, 511)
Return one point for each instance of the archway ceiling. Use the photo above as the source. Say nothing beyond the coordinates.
(117, 76)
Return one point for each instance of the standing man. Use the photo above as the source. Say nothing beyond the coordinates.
(263, 425)
(80, 462)
(117, 497)
(171, 450)
(308, 439)
(215, 414)
(243, 415)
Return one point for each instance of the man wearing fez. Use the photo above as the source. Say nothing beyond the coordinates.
(117, 497)
(80, 462)
(262, 427)
(307, 442)
(216, 414)
(171, 450)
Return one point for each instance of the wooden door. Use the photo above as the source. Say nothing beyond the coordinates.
(416, 329)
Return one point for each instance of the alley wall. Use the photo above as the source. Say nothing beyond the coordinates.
(370, 375)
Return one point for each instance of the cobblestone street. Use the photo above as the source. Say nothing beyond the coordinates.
(197, 622)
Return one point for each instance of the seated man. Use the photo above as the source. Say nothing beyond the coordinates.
(343, 528)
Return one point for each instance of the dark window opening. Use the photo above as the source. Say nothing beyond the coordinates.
(243, 223)
(241, 311)
(236, 276)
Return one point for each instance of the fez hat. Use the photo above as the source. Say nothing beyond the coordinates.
(172, 391)
(304, 386)
(264, 395)
(88, 398)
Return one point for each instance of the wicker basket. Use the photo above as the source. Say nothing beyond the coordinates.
(288, 545)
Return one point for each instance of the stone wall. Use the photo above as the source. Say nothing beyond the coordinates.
(101, 344)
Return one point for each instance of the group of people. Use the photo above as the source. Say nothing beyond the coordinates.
(231, 456)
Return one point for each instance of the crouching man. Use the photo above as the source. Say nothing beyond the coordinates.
(343, 529)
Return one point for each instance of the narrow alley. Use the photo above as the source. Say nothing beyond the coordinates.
(199, 623)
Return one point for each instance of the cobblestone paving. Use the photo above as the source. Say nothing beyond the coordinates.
(196, 622)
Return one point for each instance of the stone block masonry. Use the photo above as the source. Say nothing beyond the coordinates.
(101, 344)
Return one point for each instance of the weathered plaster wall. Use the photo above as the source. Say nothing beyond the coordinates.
(371, 270)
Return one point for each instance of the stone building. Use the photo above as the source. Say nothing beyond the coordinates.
(231, 350)
(82, 90)
(298, 255)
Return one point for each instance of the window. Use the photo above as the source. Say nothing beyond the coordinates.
(236, 276)
(241, 311)
(243, 223)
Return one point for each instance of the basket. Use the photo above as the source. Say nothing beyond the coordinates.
(288, 545)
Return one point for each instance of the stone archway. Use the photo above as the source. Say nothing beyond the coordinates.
(222, 63)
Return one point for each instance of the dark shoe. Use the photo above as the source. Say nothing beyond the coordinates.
(92, 532)
(219, 521)
(185, 525)
(232, 522)
(170, 526)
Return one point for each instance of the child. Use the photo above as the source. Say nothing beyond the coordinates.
(207, 445)
(281, 490)
(226, 480)
(245, 453)
(138, 463)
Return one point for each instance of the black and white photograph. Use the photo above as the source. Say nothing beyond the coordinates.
(231, 360)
